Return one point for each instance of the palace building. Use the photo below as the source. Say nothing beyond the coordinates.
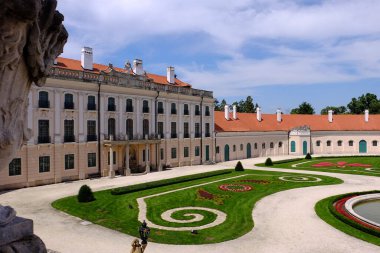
(97, 120)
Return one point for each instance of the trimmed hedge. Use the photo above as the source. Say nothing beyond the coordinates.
(268, 162)
(347, 220)
(239, 166)
(166, 182)
(308, 156)
(85, 194)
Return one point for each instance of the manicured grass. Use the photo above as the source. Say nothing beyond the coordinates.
(120, 212)
(303, 164)
(325, 210)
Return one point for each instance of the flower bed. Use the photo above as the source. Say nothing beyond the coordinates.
(235, 187)
(341, 164)
(254, 181)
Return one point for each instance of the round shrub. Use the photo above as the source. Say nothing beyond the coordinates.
(85, 194)
(268, 162)
(308, 156)
(239, 166)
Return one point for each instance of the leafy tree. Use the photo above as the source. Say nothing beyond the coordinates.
(216, 105)
(248, 105)
(304, 108)
(366, 101)
(335, 109)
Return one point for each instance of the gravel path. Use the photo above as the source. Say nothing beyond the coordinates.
(284, 222)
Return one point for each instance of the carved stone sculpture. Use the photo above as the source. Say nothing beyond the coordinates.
(31, 37)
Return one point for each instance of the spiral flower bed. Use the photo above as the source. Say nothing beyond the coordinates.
(235, 187)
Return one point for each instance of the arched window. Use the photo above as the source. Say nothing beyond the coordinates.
(173, 108)
(145, 128)
(43, 99)
(241, 147)
(197, 110)
(234, 148)
(340, 143)
(91, 105)
(374, 143)
(129, 128)
(280, 144)
(207, 111)
(271, 145)
(145, 106)
(328, 143)
(111, 127)
(255, 146)
(263, 145)
(351, 143)
(129, 105)
(160, 107)
(69, 101)
(318, 143)
(111, 104)
(185, 109)
(292, 146)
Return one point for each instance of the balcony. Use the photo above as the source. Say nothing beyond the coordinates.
(92, 137)
(69, 138)
(91, 107)
(129, 109)
(207, 113)
(174, 111)
(186, 135)
(186, 112)
(44, 139)
(43, 104)
(69, 105)
(197, 113)
(111, 107)
(197, 135)
(160, 110)
(173, 135)
(145, 109)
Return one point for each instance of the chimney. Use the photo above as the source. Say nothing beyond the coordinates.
(258, 113)
(226, 112)
(366, 115)
(138, 67)
(87, 58)
(55, 61)
(279, 115)
(330, 116)
(234, 113)
(170, 75)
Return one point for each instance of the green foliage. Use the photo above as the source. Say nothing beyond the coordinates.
(85, 194)
(246, 105)
(308, 156)
(239, 166)
(166, 182)
(304, 108)
(335, 109)
(268, 162)
(368, 101)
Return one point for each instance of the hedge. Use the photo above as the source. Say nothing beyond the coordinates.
(166, 182)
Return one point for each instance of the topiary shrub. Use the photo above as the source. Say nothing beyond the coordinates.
(85, 194)
(239, 166)
(308, 156)
(268, 162)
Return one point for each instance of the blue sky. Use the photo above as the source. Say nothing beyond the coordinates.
(281, 52)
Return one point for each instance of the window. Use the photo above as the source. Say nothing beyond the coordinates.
(197, 130)
(111, 127)
(292, 146)
(197, 151)
(44, 164)
(145, 128)
(160, 129)
(91, 130)
(143, 155)
(374, 143)
(162, 154)
(217, 150)
(173, 109)
(351, 143)
(263, 145)
(241, 147)
(207, 130)
(173, 130)
(207, 111)
(43, 99)
(15, 167)
(43, 131)
(280, 144)
(340, 143)
(145, 106)
(111, 104)
(129, 128)
(186, 130)
(318, 143)
(174, 153)
(185, 109)
(69, 101)
(328, 143)
(271, 145)
(91, 106)
(160, 108)
(186, 152)
(69, 131)
(129, 105)
(197, 110)
(234, 148)
(255, 145)
(91, 160)
(113, 157)
(69, 161)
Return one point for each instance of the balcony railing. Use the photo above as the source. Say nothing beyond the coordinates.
(197, 135)
(69, 105)
(145, 109)
(91, 107)
(186, 112)
(44, 139)
(186, 135)
(174, 111)
(160, 110)
(92, 137)
(69, 138)
(129, 109)
(111, 108)
(173, 135)
(197, 113)
(43, 104)
(133, 137)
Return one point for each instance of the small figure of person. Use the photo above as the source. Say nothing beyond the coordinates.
(136, 246)
(144, 231)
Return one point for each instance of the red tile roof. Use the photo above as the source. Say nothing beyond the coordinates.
(71, 64)
(247, 122)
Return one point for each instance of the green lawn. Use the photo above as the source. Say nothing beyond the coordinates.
(303, 164)
(120, 212)
(325, 210)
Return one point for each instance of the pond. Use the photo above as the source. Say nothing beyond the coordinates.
(369, 210)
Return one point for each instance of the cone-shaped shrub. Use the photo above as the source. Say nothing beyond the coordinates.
(85, 194)
(268, 162)
(239, 166)
(308, 156)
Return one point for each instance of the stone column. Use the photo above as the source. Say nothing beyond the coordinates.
(127, 171)
(57, 117)
(147, 164)
(111, 169)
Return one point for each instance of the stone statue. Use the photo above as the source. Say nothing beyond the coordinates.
(31, 37)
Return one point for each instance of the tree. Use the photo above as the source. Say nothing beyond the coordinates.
(248, 105)
(368, 101)
(304, 108)
(335, 109)
(216, 105)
